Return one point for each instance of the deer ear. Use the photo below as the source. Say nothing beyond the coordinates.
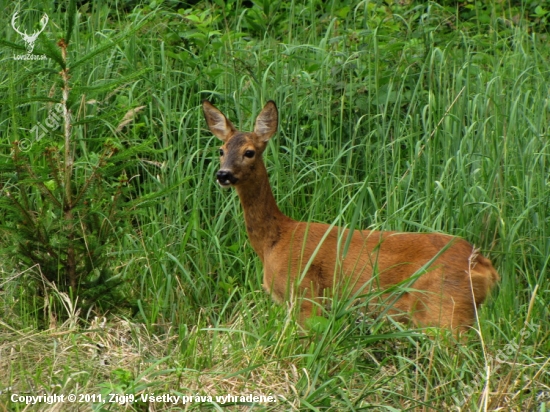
(217, 122)
(267, 121)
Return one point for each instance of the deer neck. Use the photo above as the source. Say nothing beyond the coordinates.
(263, 218)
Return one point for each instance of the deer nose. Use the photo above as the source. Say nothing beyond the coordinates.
(225, 178)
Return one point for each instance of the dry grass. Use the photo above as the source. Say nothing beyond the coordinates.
(118, 356)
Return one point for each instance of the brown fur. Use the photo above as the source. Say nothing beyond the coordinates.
(445, 293)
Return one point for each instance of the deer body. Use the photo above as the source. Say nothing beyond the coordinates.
(445, 294)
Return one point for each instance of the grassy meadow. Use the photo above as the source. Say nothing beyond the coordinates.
(404, 116)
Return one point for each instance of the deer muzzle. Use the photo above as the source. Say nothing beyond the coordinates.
(226, 178)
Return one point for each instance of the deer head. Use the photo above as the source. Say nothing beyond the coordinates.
(241, 153)
(30, 39)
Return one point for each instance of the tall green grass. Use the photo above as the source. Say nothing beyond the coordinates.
(412, 119)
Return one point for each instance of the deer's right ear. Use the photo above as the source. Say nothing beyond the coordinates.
(217, 122)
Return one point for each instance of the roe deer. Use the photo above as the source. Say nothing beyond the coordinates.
(450, 280)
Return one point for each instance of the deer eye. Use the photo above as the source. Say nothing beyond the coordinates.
(221, 152)
(250, 153)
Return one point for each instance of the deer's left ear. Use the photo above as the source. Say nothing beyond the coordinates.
(267, 121)
(217, 122)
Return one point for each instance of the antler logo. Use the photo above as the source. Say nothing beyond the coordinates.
(29, 39)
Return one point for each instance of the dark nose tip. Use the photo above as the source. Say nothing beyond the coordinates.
(225, 177)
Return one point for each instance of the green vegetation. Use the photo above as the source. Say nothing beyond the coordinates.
(397, 115)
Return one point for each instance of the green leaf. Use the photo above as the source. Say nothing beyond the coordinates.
(109, 85)
(51, 50)
(71, 18)
(11, 45)
(109, 44)
(343, 12)
(317, 324)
